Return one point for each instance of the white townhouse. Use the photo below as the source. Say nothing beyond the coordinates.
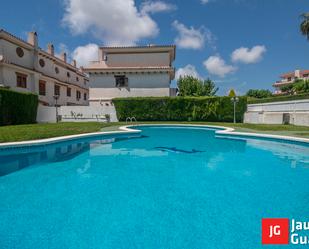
(25, 67)
(140, 71)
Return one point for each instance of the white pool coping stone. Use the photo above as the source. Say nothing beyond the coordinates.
(46, 141)
(127, 129)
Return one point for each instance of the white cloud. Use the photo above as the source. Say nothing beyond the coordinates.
(85, 54)
(191, 38)
(204, 1)
(216, 65)
(188, 70)
(117, 22)
(156, 6)
(247, 56)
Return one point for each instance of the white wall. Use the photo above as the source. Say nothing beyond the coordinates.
(46, 114)
(283, 106)
(94, 112)
(109, 93)
(272, 113)
(140, 85)
(8, 49)
(138, 59)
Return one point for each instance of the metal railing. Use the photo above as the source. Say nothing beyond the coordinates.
(131, 119)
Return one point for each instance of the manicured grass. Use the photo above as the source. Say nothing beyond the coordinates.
(39, 131)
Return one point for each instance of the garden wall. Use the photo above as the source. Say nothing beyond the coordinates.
(293, 112)
(216, 109)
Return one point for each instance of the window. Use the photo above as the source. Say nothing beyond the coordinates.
(69, 92)
(42, 63)
(21, 80)
(77, 79)
(104, 57)
(68, 74)
(57, 90)
(20, 52)
(121, 81)
(56, 70)
(85, 96)
(78, 95)
(42, 87)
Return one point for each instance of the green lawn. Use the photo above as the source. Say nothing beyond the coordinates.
(39, 131)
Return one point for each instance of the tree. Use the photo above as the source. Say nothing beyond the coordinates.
(304, 26)
(288, 89)
(301, 86)
(209, 88)
(259, 93)
(191, 86)
(232, 93)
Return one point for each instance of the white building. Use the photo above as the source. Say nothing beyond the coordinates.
(25, 67)
(131, 72)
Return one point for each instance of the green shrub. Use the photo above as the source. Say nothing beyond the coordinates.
(278, 98)
(17, 108)
(179, 108)
(259, 93)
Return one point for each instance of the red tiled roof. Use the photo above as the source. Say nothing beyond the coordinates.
(287, 75)
(304, 72)
(292, 74)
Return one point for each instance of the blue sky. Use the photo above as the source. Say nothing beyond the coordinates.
(263, 34)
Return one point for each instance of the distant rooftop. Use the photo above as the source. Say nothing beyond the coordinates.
(148, 48)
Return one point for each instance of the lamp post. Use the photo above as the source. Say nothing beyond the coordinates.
(234, 100)
(56, 97)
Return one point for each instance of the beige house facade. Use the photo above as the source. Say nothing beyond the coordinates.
(289, 79)
(25, 67)
(143, 71)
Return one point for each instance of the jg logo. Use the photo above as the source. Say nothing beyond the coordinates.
(275, 231)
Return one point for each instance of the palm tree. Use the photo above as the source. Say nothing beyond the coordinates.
(304, 26)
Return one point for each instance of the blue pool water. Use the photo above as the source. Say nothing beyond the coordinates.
(171, 187)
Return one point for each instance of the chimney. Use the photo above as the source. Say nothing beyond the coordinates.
(33, 39)
(50, 49)
(74, 63)
(63, 56)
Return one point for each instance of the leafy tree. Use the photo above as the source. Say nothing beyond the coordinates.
(191, 86)
(304, 26)
(301, 86)
(259, 93)
(208, 88)
(288, 89)
(232, 93)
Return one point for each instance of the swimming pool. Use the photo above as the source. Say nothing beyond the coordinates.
(169, 187)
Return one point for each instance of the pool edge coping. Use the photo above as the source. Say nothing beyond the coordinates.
(127, 129)
(230, 132)
(45, 141)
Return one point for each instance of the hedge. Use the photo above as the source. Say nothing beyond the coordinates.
(179, 108)
(278, 98)
(17, 108)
